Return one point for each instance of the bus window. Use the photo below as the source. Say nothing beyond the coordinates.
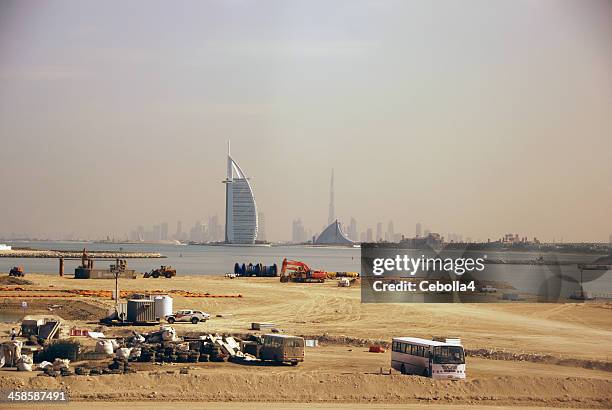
(449, 355)
(293, 343)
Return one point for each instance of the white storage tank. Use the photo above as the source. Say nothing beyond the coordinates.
(163, 306)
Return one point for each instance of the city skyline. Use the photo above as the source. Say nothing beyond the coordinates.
(472, 121)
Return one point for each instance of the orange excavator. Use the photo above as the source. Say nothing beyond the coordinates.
(296, 271)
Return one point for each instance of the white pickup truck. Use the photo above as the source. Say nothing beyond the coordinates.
(193, 316)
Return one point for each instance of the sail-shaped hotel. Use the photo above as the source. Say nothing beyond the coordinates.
(240, 206)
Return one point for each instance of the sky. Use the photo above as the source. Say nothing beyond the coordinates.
(475, 117)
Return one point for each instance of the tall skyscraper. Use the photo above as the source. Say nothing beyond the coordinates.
(378, 231)
(179, 230)
(298, 233)
(331, 216)
(369, 235)
(418, 230)
(164, 231)
(352, 230)
(240, 206)
(156, 233)
(390, 232)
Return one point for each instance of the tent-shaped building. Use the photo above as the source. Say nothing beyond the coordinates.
(333, 235)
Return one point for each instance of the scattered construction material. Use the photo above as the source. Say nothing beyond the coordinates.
(333, 275)
(165, 271)
(257, 269)
(10, 352)
(64, 349)
(49, 330)
(42, 328)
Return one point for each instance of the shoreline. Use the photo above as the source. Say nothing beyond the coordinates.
(54, 254)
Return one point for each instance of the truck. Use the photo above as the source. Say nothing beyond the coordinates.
(17, 271)
(165, 271)
(193, 316)
(282, 348)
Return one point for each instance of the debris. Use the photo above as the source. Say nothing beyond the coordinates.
(312, 343)
(261, 325)
(104, 346)
(10, 352)
(44, 364)
(59, 364)
(24, 363)
(49, 330)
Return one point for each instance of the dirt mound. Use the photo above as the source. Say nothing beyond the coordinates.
(11, 280)
(539, 358)
(66, 309)
(351, 388)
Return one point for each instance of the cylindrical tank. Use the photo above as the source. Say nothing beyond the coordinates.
(163, 306)
(141, 311)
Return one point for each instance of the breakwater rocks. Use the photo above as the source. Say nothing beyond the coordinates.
(43, 253)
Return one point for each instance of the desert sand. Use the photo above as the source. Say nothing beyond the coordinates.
(555, 355)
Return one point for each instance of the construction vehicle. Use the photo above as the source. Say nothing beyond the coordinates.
(296, 271)
(17, 271)
(165, 271)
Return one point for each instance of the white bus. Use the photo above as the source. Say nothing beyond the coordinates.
(429, 358)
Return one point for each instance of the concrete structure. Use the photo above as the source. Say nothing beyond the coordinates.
(333, 235)
(240, 207)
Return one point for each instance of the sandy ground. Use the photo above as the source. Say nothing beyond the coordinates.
(276, 406)
(339, 370)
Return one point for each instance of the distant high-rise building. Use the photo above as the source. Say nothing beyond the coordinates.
(215, 230)
(369, 235)
(164, 231)
(390, 236)
(418, 230)
(362, 237)
(331, 217)
(240, 206)
(179, 230)
(261, 230)
(140, 231)
(378, 231)
(352, 230)
(299, 234)
(196, 233)
(156, 233)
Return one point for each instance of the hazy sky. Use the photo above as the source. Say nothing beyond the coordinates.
(475, 117)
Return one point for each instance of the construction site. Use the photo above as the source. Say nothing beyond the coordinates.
(204, 338)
